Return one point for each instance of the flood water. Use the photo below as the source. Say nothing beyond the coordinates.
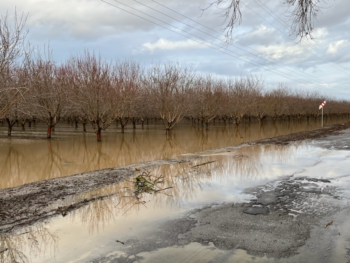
(90, 232)
(28, 157)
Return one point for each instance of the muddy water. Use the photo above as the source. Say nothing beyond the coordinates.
(90, 233)
(28, 157)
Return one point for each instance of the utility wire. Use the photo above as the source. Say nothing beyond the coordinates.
(202, 43)
(324, 83)
(259, 56)
(211, 43)
(269, 11)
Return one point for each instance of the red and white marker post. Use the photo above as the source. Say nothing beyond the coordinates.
(321, 107)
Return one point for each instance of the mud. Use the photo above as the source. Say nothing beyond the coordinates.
(292, 211)
(29, 203)
(24, 205)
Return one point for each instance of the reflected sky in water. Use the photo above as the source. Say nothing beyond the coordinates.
(93, 229)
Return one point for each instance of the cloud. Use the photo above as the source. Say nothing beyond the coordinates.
(283, 51)
(164, 44)
(261, 35)
(334, 47)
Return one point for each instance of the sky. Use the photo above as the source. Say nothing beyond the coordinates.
(153, 31)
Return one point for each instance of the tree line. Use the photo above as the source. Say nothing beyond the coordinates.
(88, 89)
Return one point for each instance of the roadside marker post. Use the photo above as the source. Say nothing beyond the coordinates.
(321, 107)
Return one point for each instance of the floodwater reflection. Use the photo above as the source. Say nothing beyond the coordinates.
(30, 243)
(207, 179)
(26, 157)
(117, 213)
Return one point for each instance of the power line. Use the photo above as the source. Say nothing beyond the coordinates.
(305, 74)
(269, 11)
(263, 6)
(322, 82)
(211, 43)
(204, 42)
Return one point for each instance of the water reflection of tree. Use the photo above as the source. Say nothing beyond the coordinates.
(171, 147)
(11, 165)
(187, 180)
(52, 161)
(28, 161)
(31, 242)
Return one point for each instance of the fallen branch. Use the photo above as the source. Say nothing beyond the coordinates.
(3, 249)
(121, 242)
(329, 223)
(156, 191)
(203, 164)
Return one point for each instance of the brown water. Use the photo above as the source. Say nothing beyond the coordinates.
(29, 157)
(91, 231)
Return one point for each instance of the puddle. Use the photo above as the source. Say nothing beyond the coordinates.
(90, 234)
(195, 252)
(70, 151)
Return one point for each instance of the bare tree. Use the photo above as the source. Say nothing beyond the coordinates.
(145, 109)
(127, 81)
(168, 84)
(241, 95)
(206, 99)
(259, 101)
(302, 15)
(12, 54)
(48, 94)
(93, 90)
(275, 99)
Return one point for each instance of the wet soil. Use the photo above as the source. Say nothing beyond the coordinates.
(331, 130)
(32, 202)
(27, 204)
(287, 215)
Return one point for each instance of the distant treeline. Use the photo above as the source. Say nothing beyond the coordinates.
(92, 90)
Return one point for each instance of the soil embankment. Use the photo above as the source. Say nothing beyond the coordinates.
(29, 203)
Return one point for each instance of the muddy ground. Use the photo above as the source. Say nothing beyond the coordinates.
(286, 222)
(27, 204)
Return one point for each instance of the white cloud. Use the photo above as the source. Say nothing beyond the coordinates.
(334, 47)
(283, 51)
(320, 33)
(260, 35)
(164, 44)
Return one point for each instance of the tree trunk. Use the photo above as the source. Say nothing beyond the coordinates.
(29, 124)
(134, 124)
(23, 126)
(122, 127)
(49, 132)
(237, 120)
(84, 126)
(9, 125)
(98, 134)
(76, 124)
(49, 128)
